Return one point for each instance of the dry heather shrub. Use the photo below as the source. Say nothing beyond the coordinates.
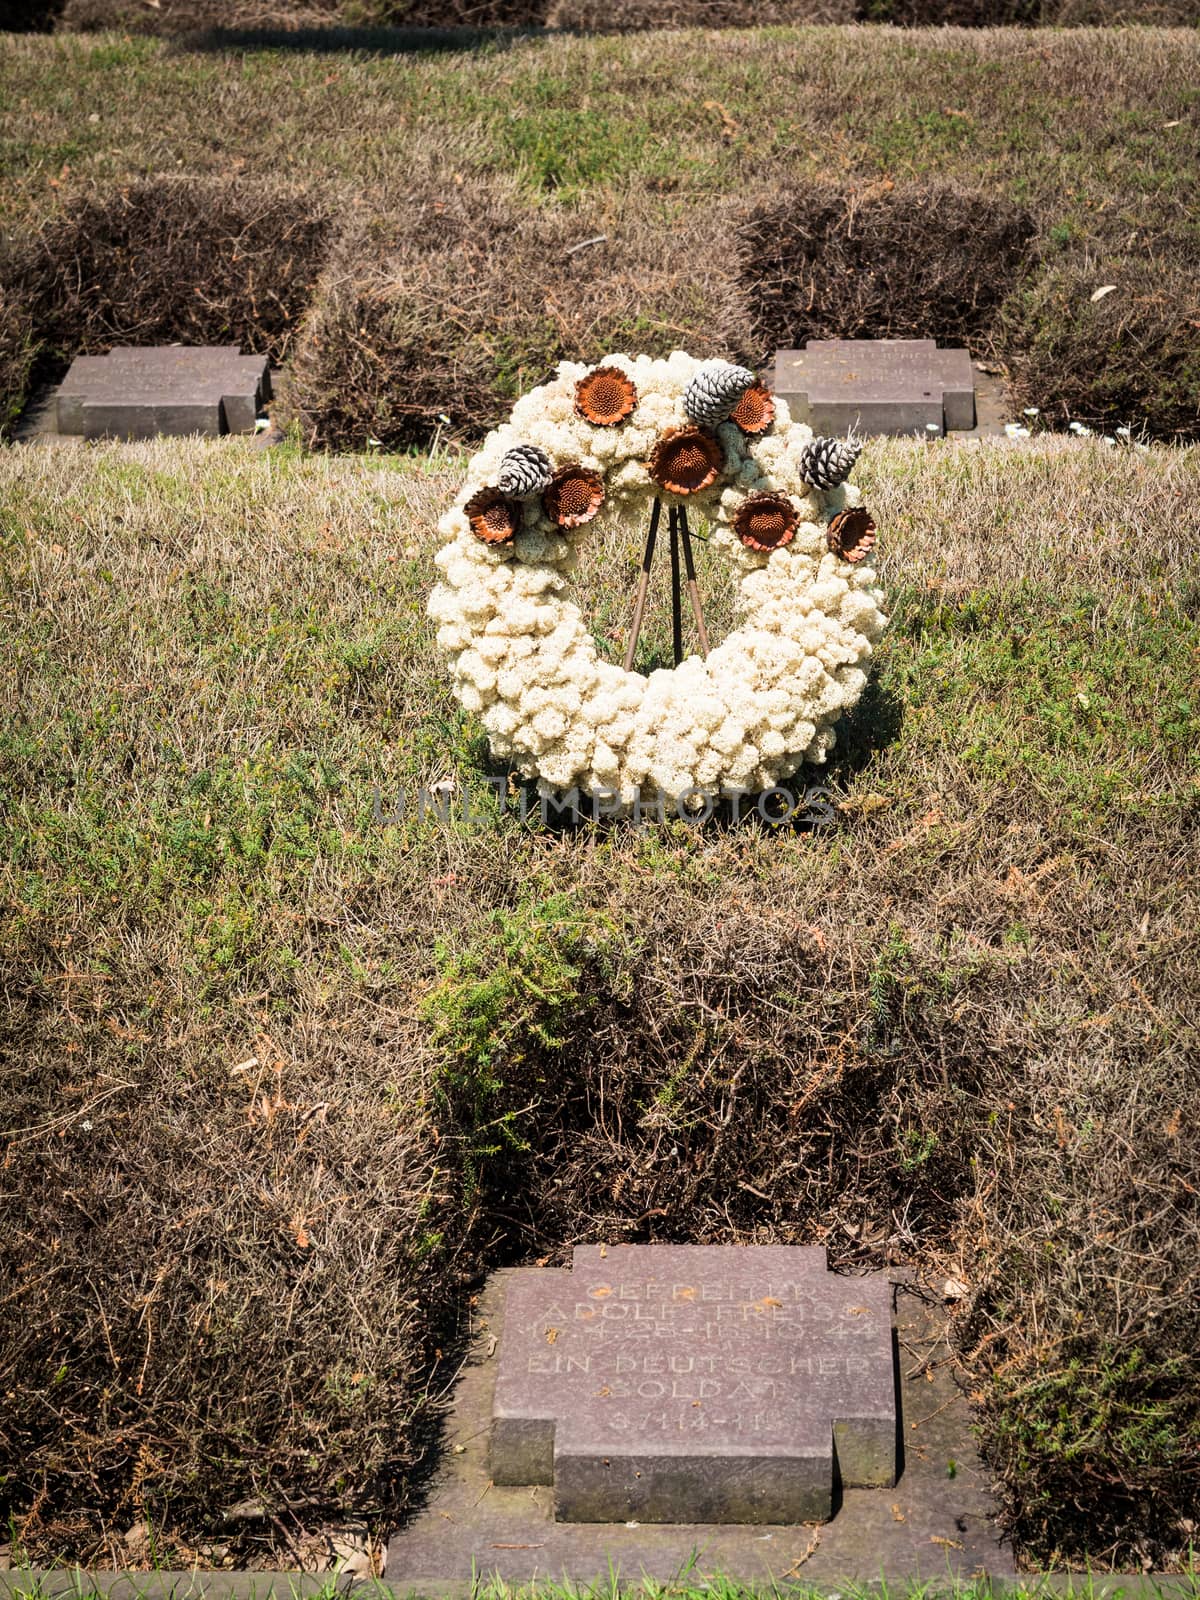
(1085, 1219)
(231, 1269)
(464, 296)
(175, 17)
(1117, 13)
(913, 261)
(1131, 358)
(951, 13)
(627, 16)
(194, 260)
(31, 16)
(1081, 1339)
(1027, 13)
(710, 1067)
(185, 16)
(17, 350)
(447, 13)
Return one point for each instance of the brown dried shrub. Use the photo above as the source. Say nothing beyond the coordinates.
(31, 16)
(193, 260)
(951, 13)
(180, 17)
(911, 261)
(176, 17)
(17, 350)
(628, 16)
(461, 297)
(225, 1214)
(1120, 13)
(447, 13)
(746, 1094)
(1130, 359)
(1030, 13)
(186, 16)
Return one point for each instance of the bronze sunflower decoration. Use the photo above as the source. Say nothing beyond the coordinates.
(494, 517)
(766, 521)
(851, 534)
(686, 460)
(574, 496)
(605, 397)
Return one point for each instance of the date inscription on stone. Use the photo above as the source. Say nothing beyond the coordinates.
(698, 1384)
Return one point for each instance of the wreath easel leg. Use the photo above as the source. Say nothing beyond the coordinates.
(676, 591)
(680, 532)
(639, 605)
(693, 588)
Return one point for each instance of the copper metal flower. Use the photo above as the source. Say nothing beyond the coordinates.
(755, 411)
(765, 521)
(574, 496)
(494, 517)
(851, 534)
(605, 396)
(686, 460)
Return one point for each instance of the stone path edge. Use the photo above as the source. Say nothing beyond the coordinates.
(71, 1583)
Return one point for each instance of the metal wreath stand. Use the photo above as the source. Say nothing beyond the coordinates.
(680, 533)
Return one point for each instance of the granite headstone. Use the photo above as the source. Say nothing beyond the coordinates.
(877, 386)
(136, 392)
(693, 1384)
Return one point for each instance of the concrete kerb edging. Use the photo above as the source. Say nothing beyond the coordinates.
(75, 1584)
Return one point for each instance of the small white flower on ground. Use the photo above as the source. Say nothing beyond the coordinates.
(1014, 430)
(1123, 433)
(1032, 411)
(932, 427)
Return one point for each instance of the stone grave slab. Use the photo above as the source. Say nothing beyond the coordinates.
(138, 392)
(939, 1519)
(712, 1384)
(877, 386)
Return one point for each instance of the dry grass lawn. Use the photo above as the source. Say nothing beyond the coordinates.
(280, 1081)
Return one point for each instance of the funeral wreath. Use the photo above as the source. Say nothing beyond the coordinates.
(607, 441)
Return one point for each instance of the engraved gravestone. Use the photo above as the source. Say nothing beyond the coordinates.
(663, 1383)
(137, 392)
(877, 386)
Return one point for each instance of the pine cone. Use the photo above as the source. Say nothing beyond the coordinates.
(524, 472)
(714, 391)
(827, 462)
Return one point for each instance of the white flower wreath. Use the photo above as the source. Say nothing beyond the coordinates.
(603, 442)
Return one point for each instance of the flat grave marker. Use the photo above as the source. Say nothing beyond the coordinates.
(694, 1384)
(139, 392)
(877, 386)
